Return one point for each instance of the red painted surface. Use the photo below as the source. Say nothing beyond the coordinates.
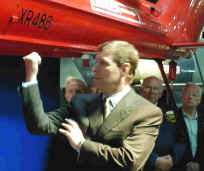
(67, 28)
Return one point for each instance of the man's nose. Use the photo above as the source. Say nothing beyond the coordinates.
(190, 96)
(153, 90)
(96, 66)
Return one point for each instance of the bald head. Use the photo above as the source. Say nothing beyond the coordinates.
(151, 89)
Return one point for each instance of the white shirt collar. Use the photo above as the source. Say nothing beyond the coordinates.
(186, 115)
(115, 98)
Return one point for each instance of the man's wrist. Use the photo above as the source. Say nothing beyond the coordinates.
(29, 83)
(79, 145)
(29, 77)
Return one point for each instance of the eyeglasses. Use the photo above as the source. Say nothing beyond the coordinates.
(187, 94)
(153, 89)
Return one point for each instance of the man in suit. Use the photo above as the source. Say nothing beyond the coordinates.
(119, 136)
(190, 126)
(168, 149)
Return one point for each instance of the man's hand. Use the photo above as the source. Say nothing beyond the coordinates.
(32, 61)
(192, 166)
(164, 163)
(73, 133)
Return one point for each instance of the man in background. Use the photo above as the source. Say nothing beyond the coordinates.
(164, 154)
(191, 126)
(151, 89)
(74, 86)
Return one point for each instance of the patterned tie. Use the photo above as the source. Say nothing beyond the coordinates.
(106, 107)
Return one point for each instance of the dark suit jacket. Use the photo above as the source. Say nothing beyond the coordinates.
(167, 143)
(182, 132)
(121, 142)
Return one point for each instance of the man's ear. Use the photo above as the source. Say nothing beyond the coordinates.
(125, 68)
(160, 94)
(140, 89)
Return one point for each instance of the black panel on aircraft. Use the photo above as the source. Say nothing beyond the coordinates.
(153, 1)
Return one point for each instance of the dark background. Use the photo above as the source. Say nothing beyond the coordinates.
(19, 150)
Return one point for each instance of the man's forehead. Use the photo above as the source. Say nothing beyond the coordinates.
(191, 88)
(104, 56)
(73, 84)
(151, 81)
(74, 88)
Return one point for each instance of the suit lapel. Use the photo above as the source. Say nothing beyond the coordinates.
(182, 127)
(200, 133)
(183, 124)
(96, 116)
(120, 112)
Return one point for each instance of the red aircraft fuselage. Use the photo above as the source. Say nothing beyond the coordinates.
(67, 28)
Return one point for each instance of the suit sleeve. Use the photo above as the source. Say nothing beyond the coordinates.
(38, 121)
(178, 152)
(133, 153)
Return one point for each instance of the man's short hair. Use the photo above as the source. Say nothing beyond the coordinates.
(81, 83)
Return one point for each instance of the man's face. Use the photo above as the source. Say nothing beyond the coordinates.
(191, 97)
(107, 75)
(72, 88)
(151, 90)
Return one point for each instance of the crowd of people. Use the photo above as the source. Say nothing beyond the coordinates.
(178, 146)
(108, 125)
